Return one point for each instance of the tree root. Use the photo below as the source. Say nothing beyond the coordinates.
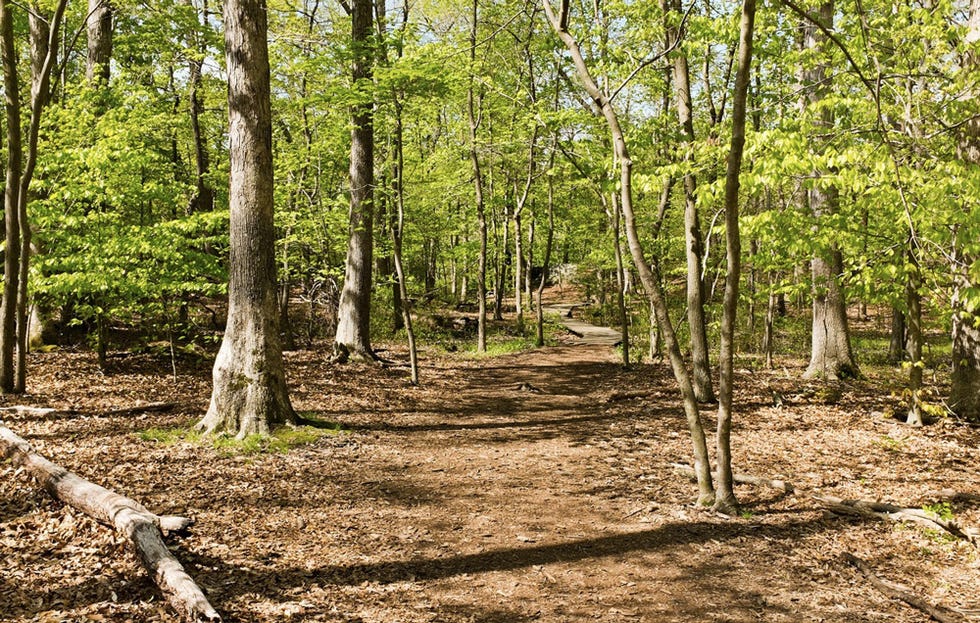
(893, 591)
(131, 519)
(859, 508)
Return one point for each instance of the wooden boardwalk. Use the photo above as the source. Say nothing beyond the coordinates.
(588, 333)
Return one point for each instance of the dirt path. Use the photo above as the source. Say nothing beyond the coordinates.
(531, 487)
(589, 334)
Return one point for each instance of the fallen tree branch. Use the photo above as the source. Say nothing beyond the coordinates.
(893, 591)
(745, 479)
(128, 517)
(860, 508)
(48, 412)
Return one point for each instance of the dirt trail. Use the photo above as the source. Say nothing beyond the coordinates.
(529, 487)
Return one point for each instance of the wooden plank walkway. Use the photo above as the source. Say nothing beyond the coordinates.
(589, 334)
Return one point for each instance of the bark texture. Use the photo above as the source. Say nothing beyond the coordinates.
(249, 394)
(99, 27)
(694, 249)
(354, 313)
(11, 265)
(830, 352)
(725, 500)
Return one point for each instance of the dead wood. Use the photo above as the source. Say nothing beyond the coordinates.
(893, 591)
(745, 479)
(21, 410)
(859, 508)
(154, 407)
(128, 517)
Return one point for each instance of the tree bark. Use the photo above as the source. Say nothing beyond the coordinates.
(11, 267)
(830, 353)
(965, 393)
(249, 394)
(694, 249)
(354, 313)
(725, 500)
(203, 198)
(649, 271)
(474, 119)
(131, 519)
(99, 27)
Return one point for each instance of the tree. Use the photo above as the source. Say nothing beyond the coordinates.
(694, 249)
(649, 271)
(249, 394)
(354, 314)
(965, 392)
(99, 27)
(830, 353)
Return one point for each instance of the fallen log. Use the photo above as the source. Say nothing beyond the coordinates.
(893, 591)
(147, 408)
(48, 412)
(131, 519)
(859, 508)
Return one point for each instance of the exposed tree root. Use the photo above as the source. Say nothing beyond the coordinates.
(894, 591)
(860, 508)
(128, 517)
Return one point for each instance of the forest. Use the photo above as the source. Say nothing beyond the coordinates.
(490, 310)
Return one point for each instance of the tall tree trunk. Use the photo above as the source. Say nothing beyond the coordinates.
(203, 198)
(913, 299)
(830, 354)
(474, 118)
(694, 249)
(354, 313)
(99, 27)
(965, 394)
(249, 394)
(725, 500)
(11, 265)
(549, 243)
(649, 271)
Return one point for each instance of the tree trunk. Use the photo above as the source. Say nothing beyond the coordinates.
(549, 242)
(354, 313)
(649, 271)
(474, 119)
(830, 354)
(965, 394)
(99, 27)
(913, 298)
(249, 394)
(725, 500)
(203, 198)
(620, 283)
(11, 266)
(694, 248)
(896, 342)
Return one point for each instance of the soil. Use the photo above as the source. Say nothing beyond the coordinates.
(528, 487)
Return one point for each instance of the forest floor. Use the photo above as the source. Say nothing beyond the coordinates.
(526, 487)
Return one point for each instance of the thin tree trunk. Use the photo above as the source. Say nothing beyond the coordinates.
(913, 299)
(250, 394)
(203, 199)
(11, 267)
(694, 249)
(620, 283)
(896, 342)
(649, 271)
(474, 119)
(768, 336)
(549, 242)
(725, 500)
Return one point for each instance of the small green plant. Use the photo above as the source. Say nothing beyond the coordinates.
(943, 510)
(279, 441)
(891, 444)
